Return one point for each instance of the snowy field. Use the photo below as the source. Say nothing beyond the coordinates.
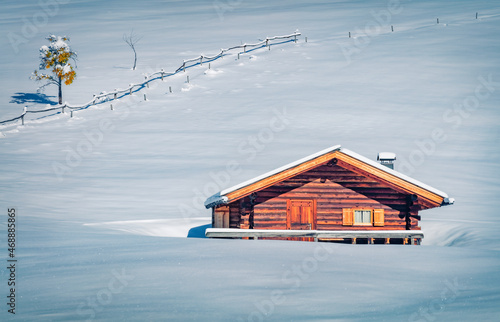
(109, 203)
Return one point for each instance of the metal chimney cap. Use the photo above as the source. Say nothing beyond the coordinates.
(388, 156)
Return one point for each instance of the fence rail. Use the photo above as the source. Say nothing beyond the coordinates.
(110, 96)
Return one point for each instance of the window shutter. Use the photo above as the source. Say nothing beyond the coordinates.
(378, 217)
(347, 217)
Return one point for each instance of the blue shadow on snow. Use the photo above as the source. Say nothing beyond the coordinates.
(198, 232)
(23, 98)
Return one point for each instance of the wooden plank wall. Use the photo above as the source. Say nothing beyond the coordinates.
(342, 189)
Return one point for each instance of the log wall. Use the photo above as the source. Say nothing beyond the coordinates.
(333, 188)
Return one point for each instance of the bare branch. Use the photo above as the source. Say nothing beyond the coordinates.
(131, 40)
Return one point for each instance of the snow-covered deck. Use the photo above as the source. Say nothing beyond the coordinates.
(316, 234)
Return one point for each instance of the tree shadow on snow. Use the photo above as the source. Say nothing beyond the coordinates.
(198, 232)
(23, 98)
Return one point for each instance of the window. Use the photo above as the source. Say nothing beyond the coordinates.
(362, 217)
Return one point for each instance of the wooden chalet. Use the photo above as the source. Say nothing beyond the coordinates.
(333, 195)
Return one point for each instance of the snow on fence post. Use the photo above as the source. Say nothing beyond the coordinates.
(130, 89)
(24, 113)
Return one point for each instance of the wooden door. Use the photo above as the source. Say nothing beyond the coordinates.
(301, 215)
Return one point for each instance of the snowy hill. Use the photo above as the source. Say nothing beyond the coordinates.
(95, 192)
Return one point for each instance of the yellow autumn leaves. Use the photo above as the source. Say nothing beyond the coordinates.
(56, 58)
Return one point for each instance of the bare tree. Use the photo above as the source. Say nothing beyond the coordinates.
(131, 40)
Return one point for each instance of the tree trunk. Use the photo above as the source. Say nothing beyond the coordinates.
(135, 58)
(60, 91)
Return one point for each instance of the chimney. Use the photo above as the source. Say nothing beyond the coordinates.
(387, 159)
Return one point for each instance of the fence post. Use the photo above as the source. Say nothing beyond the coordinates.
(111, 106)
(170, 89)
(245, 48)
(71, 113)
(146, 81)
(201, 60)
(22, 116)
(116, 94)
(161, 74)
(184, 67)
(145, 97)
(188, 78)
(130, 89)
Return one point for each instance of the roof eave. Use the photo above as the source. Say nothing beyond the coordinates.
(448, 201)
(215, 200)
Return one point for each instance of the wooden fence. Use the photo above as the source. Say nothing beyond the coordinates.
(189, 63)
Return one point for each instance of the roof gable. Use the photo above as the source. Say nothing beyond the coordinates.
(344, 158)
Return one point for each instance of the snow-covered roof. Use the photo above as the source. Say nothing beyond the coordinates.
(394, 172)
(221, 198)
